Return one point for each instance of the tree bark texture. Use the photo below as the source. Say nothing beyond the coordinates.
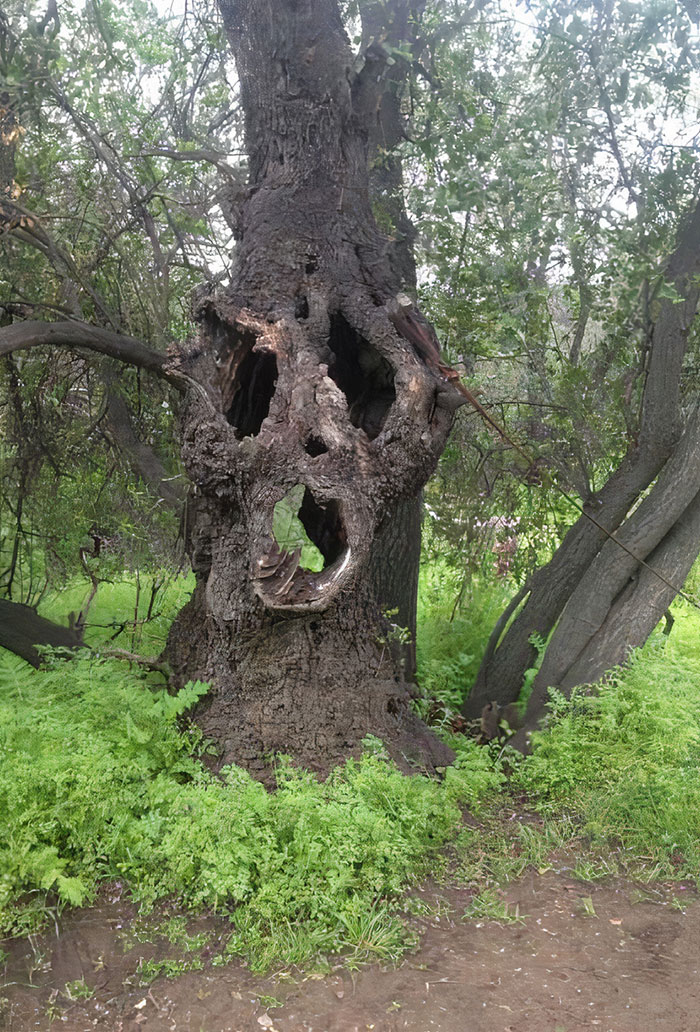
(319, 378)
(618, 602)
(569, 574)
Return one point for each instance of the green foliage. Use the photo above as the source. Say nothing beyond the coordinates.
(627, 758)
(454, 628)
(111, 179)
(289, 531)
(78, 990)
(547, 196)
(131, 612)
(98, 782)
(489, 905)
(169, 967)
(531, 673)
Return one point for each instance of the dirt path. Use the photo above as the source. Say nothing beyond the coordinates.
(585, 957)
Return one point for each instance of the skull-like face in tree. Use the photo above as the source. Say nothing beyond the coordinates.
(328, 382)
(328, 412)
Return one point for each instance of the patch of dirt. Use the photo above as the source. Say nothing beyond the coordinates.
(613, 957)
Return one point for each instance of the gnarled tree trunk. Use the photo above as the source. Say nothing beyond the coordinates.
(311, 384)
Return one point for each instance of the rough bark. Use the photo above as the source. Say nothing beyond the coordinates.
(551, 587)
(314, 385)
(619, 601)
(394, 568)
(577, 649)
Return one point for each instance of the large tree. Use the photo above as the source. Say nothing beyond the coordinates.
(315, 388)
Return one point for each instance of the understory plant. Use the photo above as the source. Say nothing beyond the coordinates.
(101, 779)
(625, 755)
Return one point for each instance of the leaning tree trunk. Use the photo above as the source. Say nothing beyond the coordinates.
(623, 595)
(553, 588)
(311, 385)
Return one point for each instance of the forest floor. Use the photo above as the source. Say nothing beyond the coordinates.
(614, 956)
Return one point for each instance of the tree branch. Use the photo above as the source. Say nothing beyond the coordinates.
(73, 334)
(21, 629)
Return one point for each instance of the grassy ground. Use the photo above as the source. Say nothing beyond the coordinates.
(101, 779)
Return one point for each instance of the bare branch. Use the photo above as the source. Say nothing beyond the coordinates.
(72, 334)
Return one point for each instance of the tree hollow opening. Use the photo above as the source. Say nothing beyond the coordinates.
(253, 389)
(314, 530)
(363, 375)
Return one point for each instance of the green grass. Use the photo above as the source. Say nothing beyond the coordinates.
(118, 613)
(489, 905)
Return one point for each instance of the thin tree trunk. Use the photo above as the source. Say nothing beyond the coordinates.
(395, 566)
(551, 587)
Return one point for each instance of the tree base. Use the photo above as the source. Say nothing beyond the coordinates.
(310, 687)
(319, 731)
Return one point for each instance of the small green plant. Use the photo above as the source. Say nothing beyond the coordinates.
(489, 905)
(374, 935)
(585, 906)
(270, 1002)
(591, 869)
(175, 931)
(540, 645)
(78, 990)
(374, 746)
(169, 967)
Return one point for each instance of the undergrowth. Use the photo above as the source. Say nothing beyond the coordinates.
(98, 783)
(626, 758)
(133, 613)
(453, 636)
(101, 779)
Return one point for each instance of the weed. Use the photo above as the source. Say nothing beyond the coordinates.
(270, 1002)
(585, 906)
(78, 990)
(373, 935)
(169, 967)
(175, 931)
(489, 905)
(591, 869)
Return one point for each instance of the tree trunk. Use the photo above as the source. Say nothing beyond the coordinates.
(394, 566)
(22, 629)
(552, 587)
(618, 601)
(312, 385)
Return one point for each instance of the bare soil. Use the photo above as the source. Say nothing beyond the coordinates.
(614, 957)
